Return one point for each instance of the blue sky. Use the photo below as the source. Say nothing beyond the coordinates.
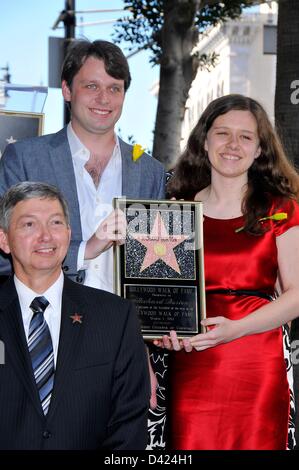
(25, 26)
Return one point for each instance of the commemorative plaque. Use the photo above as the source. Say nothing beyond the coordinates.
(16, 125)
(160, 266)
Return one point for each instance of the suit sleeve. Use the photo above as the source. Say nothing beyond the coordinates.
(11, 168)
(70, 262)
(11, 172)
(161, 191)
(127, 429)
(159, 180)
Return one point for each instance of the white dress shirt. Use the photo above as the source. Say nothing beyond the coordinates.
(95, 205)
(52, 313)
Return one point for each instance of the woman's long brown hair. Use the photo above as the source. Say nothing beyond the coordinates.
(270, 178)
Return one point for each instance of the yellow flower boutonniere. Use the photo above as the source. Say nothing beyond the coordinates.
(137, 151)
(277, 216)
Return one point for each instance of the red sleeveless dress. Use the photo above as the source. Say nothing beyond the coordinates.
(234, 396)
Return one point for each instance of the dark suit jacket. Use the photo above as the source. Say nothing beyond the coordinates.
(48, 159)
(101, 390)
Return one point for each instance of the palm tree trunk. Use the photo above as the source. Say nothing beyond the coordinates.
(177, 71)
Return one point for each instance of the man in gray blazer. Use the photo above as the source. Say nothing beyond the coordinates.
(87, 161)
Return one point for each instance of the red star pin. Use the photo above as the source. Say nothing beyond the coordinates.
(76, 318)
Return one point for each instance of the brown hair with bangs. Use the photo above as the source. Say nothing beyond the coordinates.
(271, 176)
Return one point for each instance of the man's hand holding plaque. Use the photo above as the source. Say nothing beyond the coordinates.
(160, 266)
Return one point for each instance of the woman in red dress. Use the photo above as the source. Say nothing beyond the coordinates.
(229, 387)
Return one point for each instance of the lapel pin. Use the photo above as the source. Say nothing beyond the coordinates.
(76, 318)
(137, 151)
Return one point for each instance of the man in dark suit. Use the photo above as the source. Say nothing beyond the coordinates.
(75, 374)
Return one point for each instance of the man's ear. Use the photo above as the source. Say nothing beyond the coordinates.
(66, 92)
(4, 245)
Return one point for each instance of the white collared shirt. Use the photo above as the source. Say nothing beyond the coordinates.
(52, 313)
(95, 205)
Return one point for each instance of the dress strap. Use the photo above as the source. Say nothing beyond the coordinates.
(240, 292)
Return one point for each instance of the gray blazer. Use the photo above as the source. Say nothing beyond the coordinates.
(48, 159)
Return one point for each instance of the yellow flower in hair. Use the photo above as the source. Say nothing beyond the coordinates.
(137, 151)
(277, 216)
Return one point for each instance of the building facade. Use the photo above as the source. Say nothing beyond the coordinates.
(246, 64)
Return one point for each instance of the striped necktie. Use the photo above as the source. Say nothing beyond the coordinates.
(41, 351)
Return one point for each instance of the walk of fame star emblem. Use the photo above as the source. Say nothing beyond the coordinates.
(76, 318)
(159, 245)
